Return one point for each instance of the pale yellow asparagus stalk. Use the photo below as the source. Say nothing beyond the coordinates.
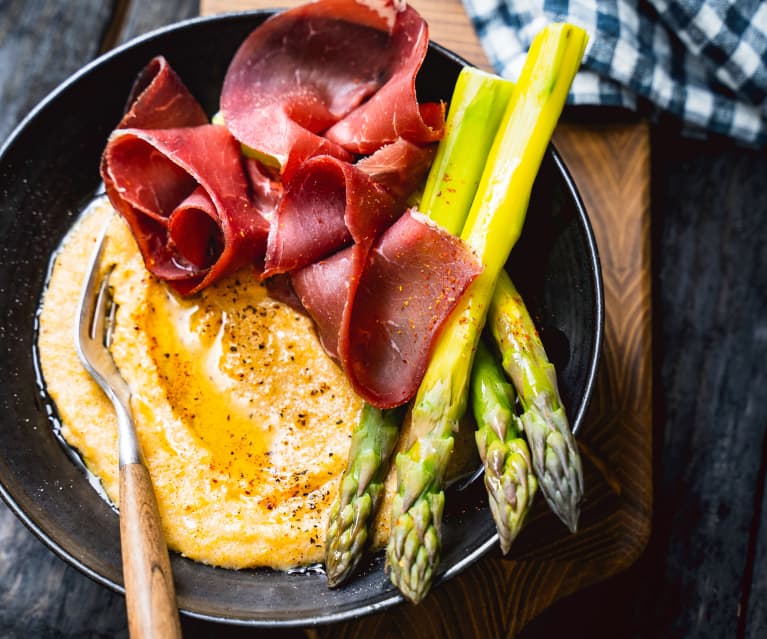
(494, 223)
(478, 104)
(447, 197)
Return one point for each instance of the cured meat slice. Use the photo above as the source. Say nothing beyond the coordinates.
(394, 112)
(327, 204)
(380, 318)
(160, 100)
(414, 278)
(326, 289)
(303, 70)
(399, 167)
(330, 203)
(295, 76)
(185, 195)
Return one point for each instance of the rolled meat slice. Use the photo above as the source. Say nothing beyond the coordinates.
(179, 182)
(186, 197)
(160, 100)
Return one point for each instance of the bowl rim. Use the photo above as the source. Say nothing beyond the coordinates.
(467, 560)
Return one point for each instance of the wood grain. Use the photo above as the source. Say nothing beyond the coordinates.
(711, 523)
(498, 596)
(149, 591)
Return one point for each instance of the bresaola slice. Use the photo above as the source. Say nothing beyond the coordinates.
(394, 112)
(186, 198)
(318, 212)
(160, 100)
(179, 182)
(421, 272)
(326, 291)
(295, 76)
(329, 203)
(399, 167)
(381, 319)
(305, 71)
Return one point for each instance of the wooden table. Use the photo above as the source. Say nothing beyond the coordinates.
(40, 596)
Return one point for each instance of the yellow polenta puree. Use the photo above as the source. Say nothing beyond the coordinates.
(244, 421)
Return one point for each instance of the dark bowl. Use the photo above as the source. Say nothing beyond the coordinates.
(49, 169)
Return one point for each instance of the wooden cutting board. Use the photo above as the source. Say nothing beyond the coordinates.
(610, 163)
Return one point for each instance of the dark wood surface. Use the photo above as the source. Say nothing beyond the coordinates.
(703, 573)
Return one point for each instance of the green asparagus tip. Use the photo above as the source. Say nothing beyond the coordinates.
(511, 487)
(360, 490)
(509, 477)
(347, 536)
(556, 462)
(413, 552)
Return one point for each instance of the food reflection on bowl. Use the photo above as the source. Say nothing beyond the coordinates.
(50, 169)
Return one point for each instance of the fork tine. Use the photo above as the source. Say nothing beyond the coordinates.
(101, 325)
(94, 328)
(88, 296)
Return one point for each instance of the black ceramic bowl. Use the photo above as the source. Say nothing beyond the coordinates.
(49, 169)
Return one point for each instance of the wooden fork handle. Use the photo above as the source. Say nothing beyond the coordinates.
(149, 591)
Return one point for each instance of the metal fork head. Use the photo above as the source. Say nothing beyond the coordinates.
(93, 336)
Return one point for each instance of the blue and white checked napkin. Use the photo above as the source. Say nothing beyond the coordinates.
(704, 61)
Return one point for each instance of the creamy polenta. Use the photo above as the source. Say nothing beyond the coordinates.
(244, 421)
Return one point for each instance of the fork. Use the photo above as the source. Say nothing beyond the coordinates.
(149, 591)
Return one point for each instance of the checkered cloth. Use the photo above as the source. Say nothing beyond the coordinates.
(704, 61)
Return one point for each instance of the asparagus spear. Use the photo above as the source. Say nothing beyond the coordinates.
(493, 226)
(476, 108)
(509, 478)
(360, 490)
(449, 191)
(556, 459)
(478, 104)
